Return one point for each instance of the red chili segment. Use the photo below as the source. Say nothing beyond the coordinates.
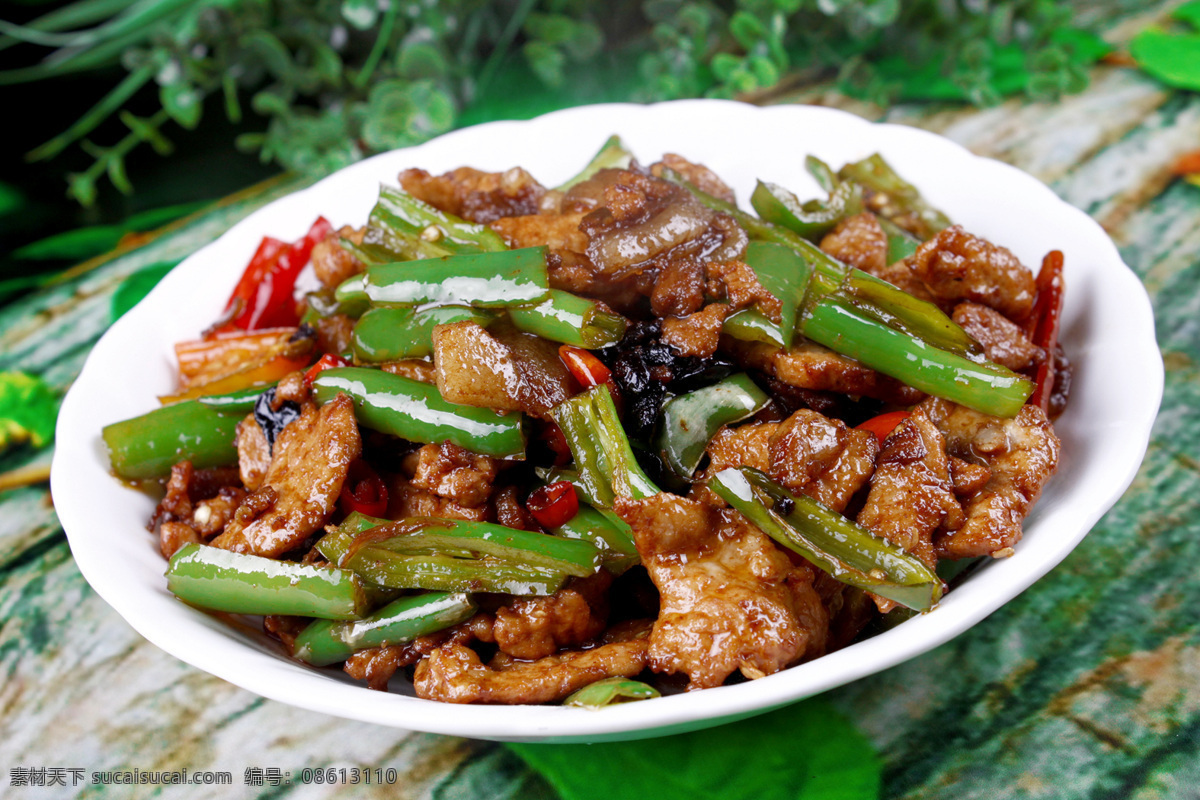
(553, 505)
(585, 367)
(327, 361)
(266, 288)
(364, 491)
(1047, 316)
(884, 424)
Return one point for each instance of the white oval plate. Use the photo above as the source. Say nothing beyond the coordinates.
(1108, 332)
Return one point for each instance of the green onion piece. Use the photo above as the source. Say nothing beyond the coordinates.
(899, 309)
(482, 280)
(238, 583)
(691, 420)
(612, 155)
(846, 551)
(749, 325)
(567, 318)
(611, 691)
(610, 534)
(985, 387)
(149, 445)
(390, 334)
(811, 220)
(326, 642)
(433, 536)
(400, 211)
(894, 198)
(602, 453)
(416, 411)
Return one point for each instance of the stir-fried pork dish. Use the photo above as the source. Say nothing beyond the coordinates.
(591, 443)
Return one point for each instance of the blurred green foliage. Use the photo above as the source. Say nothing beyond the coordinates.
(1172, 56)
(338, 79)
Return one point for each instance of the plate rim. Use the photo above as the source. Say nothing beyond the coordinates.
(541, 723)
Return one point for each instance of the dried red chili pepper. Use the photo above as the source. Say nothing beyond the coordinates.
(364, 491)
(1047, 320)
(553, 505)
(327, 361)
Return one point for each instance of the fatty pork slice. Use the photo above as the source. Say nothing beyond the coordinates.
(504, 370)
(729, 598)
(1021, 454)
(807, 453)
(957, 265)
(475, 195)
(1002, 340)
(311, 458)
(912, 493)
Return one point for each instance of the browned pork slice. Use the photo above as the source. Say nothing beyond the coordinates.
(311, 458)
(254, 453)
(697, 334)
(476, 195)
(377, 665)
(501, 369)
(535, 627)
(697, 175)
(197, 505)
(858, 241)
(726, 603)
(808, 365)
(808, 453)
(1002, 340)
(453, 472)
(454, 674)
(736, 282)
(957, 265)
(1021, 454)
(912, 493)
(333, 263)
(558, 232)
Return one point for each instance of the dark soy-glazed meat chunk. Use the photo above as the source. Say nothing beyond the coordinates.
(331, 262)
(858, 241)
(696, 335)
(725, 600)
(697, 175)
(912, 493)
(1002, 340)
(957, 265)
(808, 365)
(311, 458)
(454, 473)
(535, 627)
(1021, 455)
(377, 665)
(736, 282)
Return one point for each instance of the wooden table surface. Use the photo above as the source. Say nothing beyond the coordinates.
(1085, 686)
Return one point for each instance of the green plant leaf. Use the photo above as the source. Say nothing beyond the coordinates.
(182, 102)
(137, 285)
(803, 752)
(1189, 13)
(83, 243)
(1172, 58)
(28, 410)
(11, 198)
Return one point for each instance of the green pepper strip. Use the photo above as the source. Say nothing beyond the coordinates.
(481, 280)
(602, 453)
(240, 402)
(846, 551)
(567, 318)
(610, 534)
(612, 155)
(901, 243)
(326, 642)
(149, 445)
(449, 574)
(691, 420)
(323, 303)
(400, 211)
(526, 549)
(811, 220)
(900, 198)
(784, 273)
(985, 387)
(611, 691)
(238, 583)
(749, 325)
(417, 412)
(390, 334)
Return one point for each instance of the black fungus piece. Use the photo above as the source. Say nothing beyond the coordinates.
(785, 505)
(273, 420)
